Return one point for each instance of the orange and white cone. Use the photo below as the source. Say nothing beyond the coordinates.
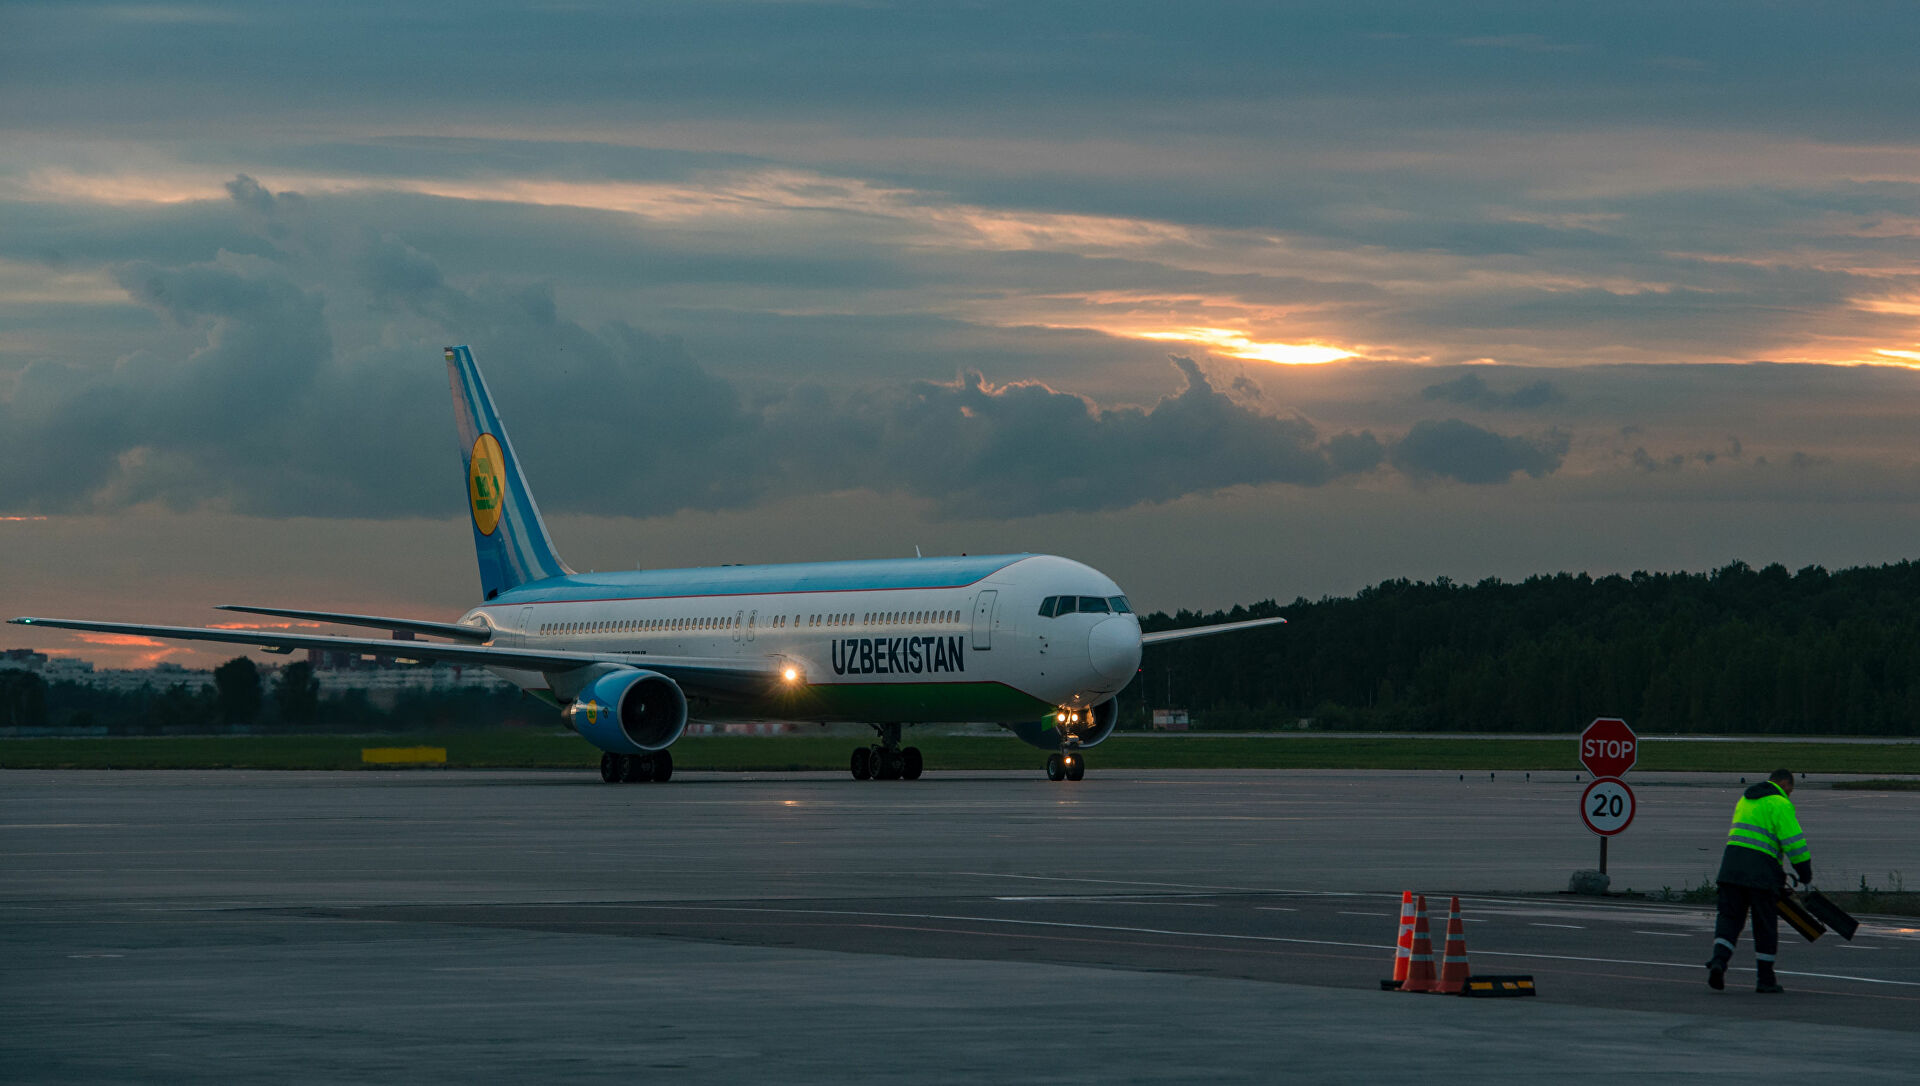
(1420, 962)
(1453, 961)
(1403, 944)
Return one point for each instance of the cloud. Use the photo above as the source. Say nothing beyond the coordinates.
(294, 381)
(287, 367)
(1472, 390)
(1461, 451)
(1025, 448)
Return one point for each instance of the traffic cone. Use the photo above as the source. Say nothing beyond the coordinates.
(1453, 961)
(1403, 944)
(1420, 962)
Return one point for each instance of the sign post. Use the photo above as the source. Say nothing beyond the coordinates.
(1608, 748)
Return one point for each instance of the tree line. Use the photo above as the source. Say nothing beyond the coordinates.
(1736, 651)
(241, 698)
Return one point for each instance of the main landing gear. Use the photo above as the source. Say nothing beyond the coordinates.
(886, 760)
(631, 768)
(1066, 765)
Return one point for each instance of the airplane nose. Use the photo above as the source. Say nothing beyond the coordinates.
(1113, 647)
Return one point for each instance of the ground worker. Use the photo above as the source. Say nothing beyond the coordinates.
(1765, 832)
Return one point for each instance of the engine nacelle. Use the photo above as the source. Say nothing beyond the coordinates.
(1092, 727)
(630, 712)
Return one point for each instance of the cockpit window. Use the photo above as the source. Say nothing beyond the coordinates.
(1055, 606)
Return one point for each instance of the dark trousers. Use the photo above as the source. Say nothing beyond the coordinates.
(1736, 902)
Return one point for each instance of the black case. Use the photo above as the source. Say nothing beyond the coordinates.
(1795, 913)
(1822, 908)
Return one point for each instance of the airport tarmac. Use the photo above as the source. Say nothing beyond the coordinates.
(1139, 926)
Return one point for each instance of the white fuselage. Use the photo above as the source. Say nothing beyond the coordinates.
(891, 643)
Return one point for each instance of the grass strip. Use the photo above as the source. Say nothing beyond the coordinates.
(524, 749)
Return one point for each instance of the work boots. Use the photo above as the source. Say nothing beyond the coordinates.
(1717, 973)
(1769, 984)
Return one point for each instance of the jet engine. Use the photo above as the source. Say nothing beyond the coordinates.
(1088, 726)
(630, 712)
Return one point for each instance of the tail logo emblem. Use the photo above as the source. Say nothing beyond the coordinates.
(486, 489)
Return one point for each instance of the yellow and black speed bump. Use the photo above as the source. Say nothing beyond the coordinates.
(1802, 921)
(1498, 986)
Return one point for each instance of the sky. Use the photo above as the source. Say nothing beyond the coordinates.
(1232, 301)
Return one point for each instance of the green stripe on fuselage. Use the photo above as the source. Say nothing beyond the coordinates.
(909, 703)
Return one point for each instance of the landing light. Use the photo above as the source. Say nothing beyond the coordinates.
(790, 674)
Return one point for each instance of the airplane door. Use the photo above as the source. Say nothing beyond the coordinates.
(524, 636)
(739, 620)
(752, 617)
(983, 619)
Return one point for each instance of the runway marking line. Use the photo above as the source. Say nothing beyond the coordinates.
(1214, 935)
(1570, 927)
(1088, 899)
(1166, 885)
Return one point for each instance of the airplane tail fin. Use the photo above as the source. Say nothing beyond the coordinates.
(509, 537)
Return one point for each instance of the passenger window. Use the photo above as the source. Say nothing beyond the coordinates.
(1093, 605)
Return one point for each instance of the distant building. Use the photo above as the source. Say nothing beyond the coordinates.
(53, 669)
(160, 676)
(379, 676)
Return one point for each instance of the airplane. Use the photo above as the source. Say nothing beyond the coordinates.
(1036, 643)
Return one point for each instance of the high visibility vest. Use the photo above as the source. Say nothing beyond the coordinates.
(1768, 825)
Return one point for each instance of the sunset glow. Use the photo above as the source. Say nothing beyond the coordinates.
(1226, 341)
(151, 650)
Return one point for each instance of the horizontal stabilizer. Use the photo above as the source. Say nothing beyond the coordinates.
(698, 675)
(454, 630)
(1164, 636)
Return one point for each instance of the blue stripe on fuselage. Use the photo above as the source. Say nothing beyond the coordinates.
(857, 576)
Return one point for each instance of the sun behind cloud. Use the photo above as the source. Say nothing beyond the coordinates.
(1235, 344)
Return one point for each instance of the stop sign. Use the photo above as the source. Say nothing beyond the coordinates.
(1608, 748)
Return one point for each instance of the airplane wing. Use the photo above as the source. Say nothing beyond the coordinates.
(697, 675)
(454, 630)
(1165, 636)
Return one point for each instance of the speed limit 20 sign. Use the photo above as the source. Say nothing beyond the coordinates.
(1607, 806)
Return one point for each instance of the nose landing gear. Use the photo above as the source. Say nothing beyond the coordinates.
(1067, 765)
(886, 760)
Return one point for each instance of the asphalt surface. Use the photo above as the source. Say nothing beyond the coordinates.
(1136, 927)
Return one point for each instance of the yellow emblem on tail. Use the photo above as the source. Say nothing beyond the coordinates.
(486, 488)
